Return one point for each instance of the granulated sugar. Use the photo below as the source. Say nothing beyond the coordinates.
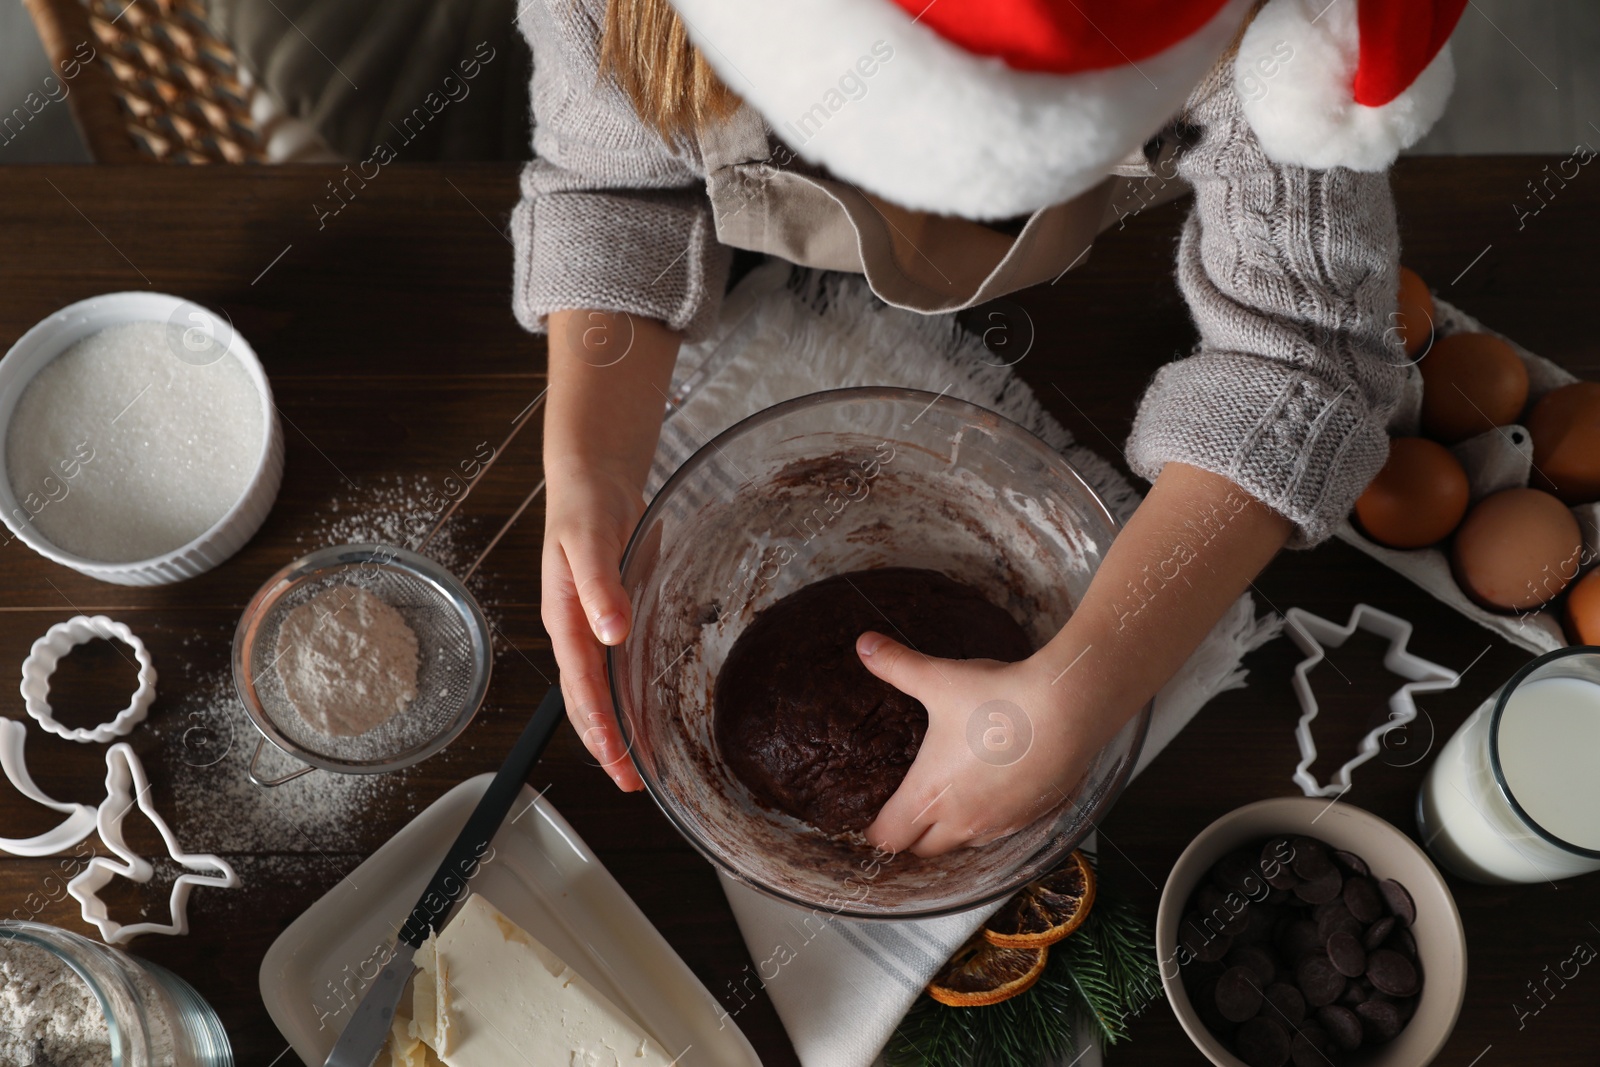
(348, 661)
(120, 450)
(47, 1014)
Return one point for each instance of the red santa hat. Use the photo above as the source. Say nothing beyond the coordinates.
(994, 108)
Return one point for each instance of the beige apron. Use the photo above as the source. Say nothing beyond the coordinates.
(766, 199)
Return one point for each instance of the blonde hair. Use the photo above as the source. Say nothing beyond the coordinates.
(646, 51)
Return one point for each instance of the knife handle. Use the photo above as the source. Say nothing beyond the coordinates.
(449, 882)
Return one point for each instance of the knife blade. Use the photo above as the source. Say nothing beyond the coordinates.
(364, 1036)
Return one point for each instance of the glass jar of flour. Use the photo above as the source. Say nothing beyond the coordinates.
(69, 1001)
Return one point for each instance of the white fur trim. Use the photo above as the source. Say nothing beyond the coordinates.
(1302, 107)
(935, 128)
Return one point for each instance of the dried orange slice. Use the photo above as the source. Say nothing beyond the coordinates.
(980, 974)
(1046, 910)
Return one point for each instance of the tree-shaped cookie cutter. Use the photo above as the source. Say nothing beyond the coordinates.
(62, 638)
(126, 785)
(1313, 634)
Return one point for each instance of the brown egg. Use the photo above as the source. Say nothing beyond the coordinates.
(1516, 549)
(1417, 498)
(1471, 382)
(1565, 425)
(1583, 610)
(1414, 315)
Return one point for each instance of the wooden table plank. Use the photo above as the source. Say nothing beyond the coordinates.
(393, 354)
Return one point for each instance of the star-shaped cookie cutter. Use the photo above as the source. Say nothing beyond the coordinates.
(127, 785)
(1313, 634)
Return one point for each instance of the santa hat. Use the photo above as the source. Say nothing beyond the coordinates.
(994, 108)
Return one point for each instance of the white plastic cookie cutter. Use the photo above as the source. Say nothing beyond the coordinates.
(1314, 633)
(126, 785)
(80, 821)
(62, 638)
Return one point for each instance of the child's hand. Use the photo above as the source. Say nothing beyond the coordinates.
(587, 524)
(1003, 747)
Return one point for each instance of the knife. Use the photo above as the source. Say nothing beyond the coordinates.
(363, 1038)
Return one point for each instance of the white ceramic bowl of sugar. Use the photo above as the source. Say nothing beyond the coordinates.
(214, 391)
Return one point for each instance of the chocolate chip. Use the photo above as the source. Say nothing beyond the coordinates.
(1300, 939)
(1205, 1006)
(1263, 1042)
(1258, 960)
(1347, 955)
(1392, 973)
(1260, 921)
(1275, 857)
(1362, 898)
(1319, 981)
(1334, 918)
(1310, 858)
(1310, 1047)
(1321, 888)
(1404, 942)
(1285, 1002)
(1206, 944)
(1351, 862)
(1399, 900)
(1380, 1020)
(1343, 1024)
(1377, 932)
(1354, 993)
(1238, 994)
(1224, 911)
(1236, 873)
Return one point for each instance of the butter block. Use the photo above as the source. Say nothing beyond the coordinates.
(487, 994)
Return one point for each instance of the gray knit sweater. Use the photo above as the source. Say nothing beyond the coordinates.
(1290, 275)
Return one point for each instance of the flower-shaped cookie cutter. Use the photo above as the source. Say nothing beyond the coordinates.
(1313, 634)
(80, 820)
(127, 785)
(62, 638)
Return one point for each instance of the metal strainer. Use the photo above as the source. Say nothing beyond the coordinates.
(454, 650)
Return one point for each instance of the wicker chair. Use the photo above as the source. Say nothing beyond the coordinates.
(150, 81)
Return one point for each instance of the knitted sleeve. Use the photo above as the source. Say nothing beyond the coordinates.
(610, 217)
(1290, 275)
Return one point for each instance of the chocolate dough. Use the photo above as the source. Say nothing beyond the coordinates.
(804, 725)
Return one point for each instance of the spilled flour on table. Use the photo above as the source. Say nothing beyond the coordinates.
(215, 807)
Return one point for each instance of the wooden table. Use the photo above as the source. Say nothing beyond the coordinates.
(388, 336)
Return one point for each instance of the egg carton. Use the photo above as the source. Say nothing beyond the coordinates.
(1500, 459)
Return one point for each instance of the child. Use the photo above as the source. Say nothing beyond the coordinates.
(953, 152)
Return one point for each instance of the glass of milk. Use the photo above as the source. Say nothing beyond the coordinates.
(1514, 796)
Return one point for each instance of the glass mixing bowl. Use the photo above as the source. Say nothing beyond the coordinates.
(833, 482)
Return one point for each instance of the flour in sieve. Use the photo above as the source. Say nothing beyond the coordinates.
(47, 1013)
(348, 661)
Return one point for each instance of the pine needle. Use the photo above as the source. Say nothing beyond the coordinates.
(1104, 972)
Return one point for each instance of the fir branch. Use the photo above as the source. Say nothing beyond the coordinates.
(1104, 972)
(1112, 963)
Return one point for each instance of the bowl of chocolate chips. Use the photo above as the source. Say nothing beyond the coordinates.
(1295, 931)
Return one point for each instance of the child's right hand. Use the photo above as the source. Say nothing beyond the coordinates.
(609, 374)
(588, 520)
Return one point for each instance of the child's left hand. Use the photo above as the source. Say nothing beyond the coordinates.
(1003, 747)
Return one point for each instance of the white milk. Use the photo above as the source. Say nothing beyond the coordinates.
(1549, 748)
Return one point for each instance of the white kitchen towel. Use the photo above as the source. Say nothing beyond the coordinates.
(841, 989)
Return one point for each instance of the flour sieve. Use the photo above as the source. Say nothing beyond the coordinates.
(454, 648)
